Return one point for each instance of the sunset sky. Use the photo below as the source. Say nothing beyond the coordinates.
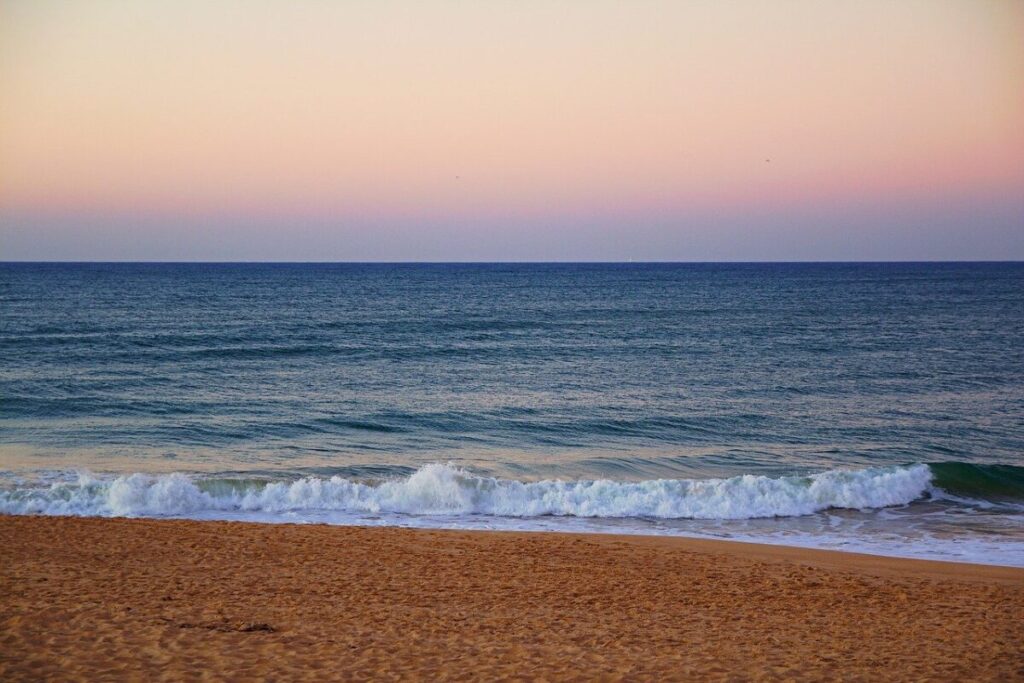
(520, 130)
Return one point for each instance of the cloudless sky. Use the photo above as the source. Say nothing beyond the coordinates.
(514, 130)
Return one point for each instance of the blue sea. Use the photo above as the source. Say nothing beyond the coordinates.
(866, 407)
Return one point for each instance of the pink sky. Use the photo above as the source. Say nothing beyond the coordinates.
(136, 129)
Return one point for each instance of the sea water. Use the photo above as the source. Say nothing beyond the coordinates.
(868, 407)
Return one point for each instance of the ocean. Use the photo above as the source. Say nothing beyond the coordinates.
(865, 407)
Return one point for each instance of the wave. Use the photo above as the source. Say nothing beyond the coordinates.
(993, 483)
(439, 489)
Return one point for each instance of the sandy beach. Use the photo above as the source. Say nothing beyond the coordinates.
(96, 599)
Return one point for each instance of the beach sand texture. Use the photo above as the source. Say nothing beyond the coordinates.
(102, 599)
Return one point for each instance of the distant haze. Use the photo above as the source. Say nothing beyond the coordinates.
(518, 130)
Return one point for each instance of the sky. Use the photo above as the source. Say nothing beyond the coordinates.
(520, 130)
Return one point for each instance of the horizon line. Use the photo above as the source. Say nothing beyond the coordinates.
(512, 263)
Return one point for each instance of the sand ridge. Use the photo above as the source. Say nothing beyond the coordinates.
(117, 599)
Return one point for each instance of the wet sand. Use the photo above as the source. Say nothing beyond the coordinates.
(96, 599)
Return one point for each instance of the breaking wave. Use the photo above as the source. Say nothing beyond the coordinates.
(439, 489)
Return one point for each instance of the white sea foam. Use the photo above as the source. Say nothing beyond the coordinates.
(445, 490)
(442, 496)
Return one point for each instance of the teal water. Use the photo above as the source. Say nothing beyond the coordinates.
(867, 406)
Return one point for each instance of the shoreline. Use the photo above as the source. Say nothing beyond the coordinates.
(842, 510)
(859, 550)
(93, 597)
(737, 546)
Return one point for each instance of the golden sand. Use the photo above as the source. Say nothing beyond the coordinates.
(96, 599)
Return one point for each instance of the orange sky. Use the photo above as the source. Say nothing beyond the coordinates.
(362, 113)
